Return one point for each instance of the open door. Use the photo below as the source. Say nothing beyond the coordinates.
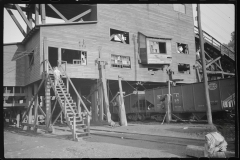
(53, 56)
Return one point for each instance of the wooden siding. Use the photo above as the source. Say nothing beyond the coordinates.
(150, 19)
(13, 71)
(33, 73)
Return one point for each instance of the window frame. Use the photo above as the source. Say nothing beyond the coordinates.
(121, 62)
(177, 45)
(184, 72)
(120, 42)
(165, 45)
(75, 64)
(185, 11)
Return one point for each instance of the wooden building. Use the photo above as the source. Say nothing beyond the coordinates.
(144, 44)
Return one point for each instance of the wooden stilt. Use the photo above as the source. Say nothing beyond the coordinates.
(122, 113)
(48, 102)
(35, 108)
(100, 101)
(30, 110)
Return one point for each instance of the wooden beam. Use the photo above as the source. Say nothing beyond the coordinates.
(16, 22)
(10, 6)
(220, 72)
(54, 108)
(30, 19)
(43, 13)
(91, 92)
(58, 13)
(198, 75)
(35, 108)
(36, 14)
(42, 111)
(33, 99)
(100, 100)
(80, 15)
(213, 61)
(122, 113)
(56, 118)
(23, 16)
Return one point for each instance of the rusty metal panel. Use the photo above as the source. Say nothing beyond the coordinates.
(134, 103)
(177, 103)
(127, 104)
(159, 105)
(199, 97)
(227, 93)
(213, 88)
(188, 98)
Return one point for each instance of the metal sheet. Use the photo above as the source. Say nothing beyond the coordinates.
(213, 88)
(159, 105)
(133, 103)
(199, 96)
(177, 104)
(127, 104)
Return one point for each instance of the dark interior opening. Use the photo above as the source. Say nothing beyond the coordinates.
(53, 56)
(117, 34)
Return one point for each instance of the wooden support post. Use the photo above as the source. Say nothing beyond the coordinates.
(29, 17)
(100, 101)
(29, 25)
(48, 102)
(122, 113)
(18, 118)
(67, 82)
(36, 14)
(30, 110)
(209, 112)
(74, 128)
(35, 107)
(43, 14)
(94, 104)
(169, 113)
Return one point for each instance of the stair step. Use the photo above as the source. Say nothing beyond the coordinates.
(82, 134)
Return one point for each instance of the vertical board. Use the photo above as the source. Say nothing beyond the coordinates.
(177, 104)
(199, 96)
(227, 93)
(213, 88)
(188, 99)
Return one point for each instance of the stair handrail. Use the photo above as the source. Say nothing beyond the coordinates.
(60, 87)
(76, 91)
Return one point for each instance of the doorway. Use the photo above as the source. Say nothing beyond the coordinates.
(53, 56)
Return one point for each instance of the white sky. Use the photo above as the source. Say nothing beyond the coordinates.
(218, 20)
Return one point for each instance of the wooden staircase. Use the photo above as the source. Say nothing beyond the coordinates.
(73, 114)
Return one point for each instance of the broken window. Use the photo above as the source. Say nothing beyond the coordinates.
(182, 48)
(120, 61)
(31, 58)
(74, 56)
(119, 36)
(180, 8)
(183, 68)
(157, 47)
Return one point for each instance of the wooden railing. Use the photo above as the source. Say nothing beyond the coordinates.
(79, 97)
(215, 43)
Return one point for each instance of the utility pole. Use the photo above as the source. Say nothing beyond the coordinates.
(205, 81)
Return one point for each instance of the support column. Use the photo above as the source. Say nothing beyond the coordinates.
(48, 103)
(35, 107)
(100, 102)
(29, 17)
(94, 104)
(36, 14)
(122, 113)
(18, 118)
(168, 104)
(30, 96)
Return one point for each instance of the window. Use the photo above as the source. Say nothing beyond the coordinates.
(76, 57)
(182, 48)
(120, 61)
(31, 58)
(183, 68)
(180, 8)
(119, 36)
(157, 47)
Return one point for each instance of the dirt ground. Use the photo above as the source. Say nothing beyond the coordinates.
(26, 144)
